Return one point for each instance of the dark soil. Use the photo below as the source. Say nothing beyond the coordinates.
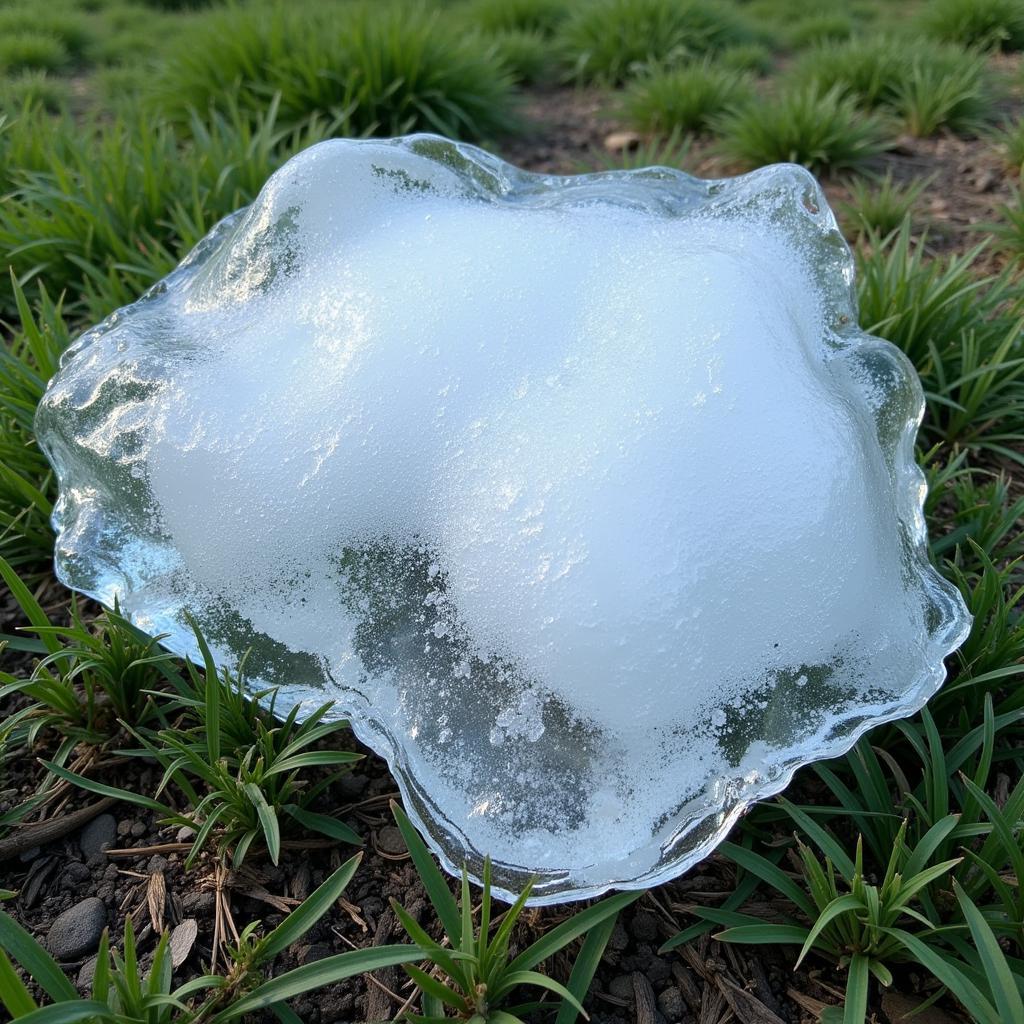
(143, 874)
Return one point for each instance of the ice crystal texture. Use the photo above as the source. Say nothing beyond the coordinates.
(583, 497)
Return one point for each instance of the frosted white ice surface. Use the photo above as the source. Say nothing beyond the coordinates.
(584, 497)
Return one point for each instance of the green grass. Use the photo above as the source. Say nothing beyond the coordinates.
(1008, 230)
(1009, 142)
(57, 19)
(609, 41)
(365, 69)
(32, 51)
(995, 23)
(685, 99)
(963, 333)
(32, 90)
(529, 56)
(926, 84)
(879, 205)
(814, 29)
(478, 972)
(821, 130)
(754, 57)
(541, 16)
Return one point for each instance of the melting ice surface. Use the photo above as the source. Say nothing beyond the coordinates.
(584, 498)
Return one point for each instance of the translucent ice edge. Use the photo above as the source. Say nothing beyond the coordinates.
(548, 741)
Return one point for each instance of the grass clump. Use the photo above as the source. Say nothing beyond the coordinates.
(57, 19)
(1009, 140)
(951, 94)
(988, 23)
(822, 131)
(608, 41)
(34, 90)
(686, 99)
(963, 333)
(371, 70)
(754, 57)
(494, 16)
(815, 29)
(927, 84)
(478, 973)
(879, 205)
(1008, 229)
(528, 55)
(32, 51)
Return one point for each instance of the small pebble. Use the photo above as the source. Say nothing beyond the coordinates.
(670, 1002)
(97, 835)
(86, 972)
(390, 841)
(644, 926)
(77, 931)
(74, 873)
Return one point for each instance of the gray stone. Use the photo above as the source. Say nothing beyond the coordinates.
(73, 874)
(671, 1004)
(97, 835)
(644, 926)
(621, 987)
(86, 972)
(77, 931)
(390, 841)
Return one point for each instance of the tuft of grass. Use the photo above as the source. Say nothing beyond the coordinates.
(819, 28)
(371, 70)
(1008, 229)
(242, 773)
(27, 362)
(57, 19)
(495, 16)
(686, 99)
(879, 205)
(927, 83)
(609, 41)
(32, 51)
(754, 57)
(34, 90)
(952, 94)
(1009, 140)
(822, 131)
(479, 975)
(987, 23)
(964, 334)
(529, 56)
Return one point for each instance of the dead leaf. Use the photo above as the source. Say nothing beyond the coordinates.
(156, 900)
(182, 939)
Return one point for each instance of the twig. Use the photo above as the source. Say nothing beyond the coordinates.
(53, 828)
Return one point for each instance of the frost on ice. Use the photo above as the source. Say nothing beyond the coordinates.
(583, 497)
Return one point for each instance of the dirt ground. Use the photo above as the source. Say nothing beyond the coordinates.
(142, 873)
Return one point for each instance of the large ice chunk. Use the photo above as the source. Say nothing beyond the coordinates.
(585, 498)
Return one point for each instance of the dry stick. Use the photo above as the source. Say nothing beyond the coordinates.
(53, 828)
